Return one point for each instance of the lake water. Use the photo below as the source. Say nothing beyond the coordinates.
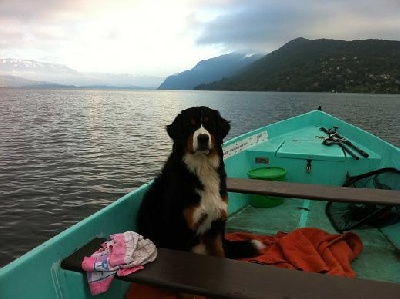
(65, 154)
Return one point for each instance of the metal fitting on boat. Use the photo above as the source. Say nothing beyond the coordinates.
(308, 166)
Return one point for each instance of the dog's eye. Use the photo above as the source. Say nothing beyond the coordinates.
(205, 120)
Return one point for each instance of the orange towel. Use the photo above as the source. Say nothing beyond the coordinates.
(307, 249)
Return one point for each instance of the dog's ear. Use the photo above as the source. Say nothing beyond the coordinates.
(175, 129)
(223, 127)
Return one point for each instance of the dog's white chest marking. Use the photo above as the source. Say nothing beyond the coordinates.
(211, 203)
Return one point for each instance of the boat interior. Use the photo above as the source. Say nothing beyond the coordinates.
(306, 159)
(380, 258)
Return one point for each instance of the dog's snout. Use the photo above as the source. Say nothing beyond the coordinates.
(203, 138)
(202, 142)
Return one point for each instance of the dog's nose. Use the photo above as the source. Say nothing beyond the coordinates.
(203, 138)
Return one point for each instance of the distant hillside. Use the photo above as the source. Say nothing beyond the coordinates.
(208, 71)
(12, 81)
(61, 74)
(33, 66)
(322, 65)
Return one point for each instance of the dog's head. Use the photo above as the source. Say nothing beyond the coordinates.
(198, 130)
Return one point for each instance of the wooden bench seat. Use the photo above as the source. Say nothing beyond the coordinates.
(216, 277)
(313, 192)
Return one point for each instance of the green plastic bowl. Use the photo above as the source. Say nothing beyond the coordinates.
(268, 174)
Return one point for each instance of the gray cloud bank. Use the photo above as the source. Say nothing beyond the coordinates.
(262, 25)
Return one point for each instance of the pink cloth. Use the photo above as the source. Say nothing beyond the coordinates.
(124, 254)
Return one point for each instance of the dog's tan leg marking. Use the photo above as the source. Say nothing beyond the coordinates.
(203, 217)
(214, 245)
(224, 215)
(224, 212)
(188, 214)
(209, 245)
(200, 249)
(194, 217)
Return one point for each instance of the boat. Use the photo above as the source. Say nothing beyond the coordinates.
(297, 145)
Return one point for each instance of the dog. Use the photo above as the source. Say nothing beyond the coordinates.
(185, 208)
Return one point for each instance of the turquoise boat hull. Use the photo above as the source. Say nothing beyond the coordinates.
(294, 144)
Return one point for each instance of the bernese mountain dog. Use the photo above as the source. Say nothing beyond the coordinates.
(185, 208)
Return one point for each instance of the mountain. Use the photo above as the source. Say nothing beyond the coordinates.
(12, 81)
(63, 75)
(322, 65)
(208, 71)
(27, 73)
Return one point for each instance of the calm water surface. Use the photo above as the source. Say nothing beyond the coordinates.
(65, 154)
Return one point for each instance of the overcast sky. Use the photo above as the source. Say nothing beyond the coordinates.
(161, 37)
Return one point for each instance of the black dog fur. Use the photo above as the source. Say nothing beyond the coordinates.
(186, 206)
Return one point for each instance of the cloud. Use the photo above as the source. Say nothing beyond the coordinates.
(145, 36)
(37, 26)
(28, 11)
(264, 25)
(153, 37)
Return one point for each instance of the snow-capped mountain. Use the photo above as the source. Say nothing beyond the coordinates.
(12, 81)
(17, 66)
(61, 74)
